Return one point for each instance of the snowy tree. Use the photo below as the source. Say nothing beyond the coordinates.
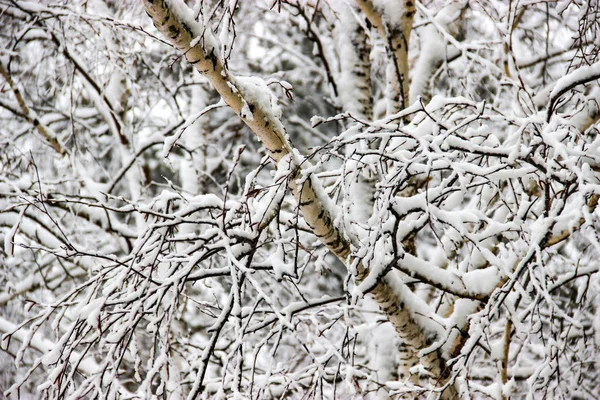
(299, 199)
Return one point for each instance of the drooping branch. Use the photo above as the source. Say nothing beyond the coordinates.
(37, 341)
(578, 77)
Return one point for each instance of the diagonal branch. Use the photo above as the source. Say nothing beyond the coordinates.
(252, 101)
(31, 116)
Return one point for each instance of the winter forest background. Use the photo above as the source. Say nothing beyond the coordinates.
(299, 199)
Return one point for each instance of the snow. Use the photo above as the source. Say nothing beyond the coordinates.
(32, 7)
(392, 12)
(214, 270)
(286, 85)
(351, 95)
(485, 280)
(195, 41)
(255, 91)
(421, 311)
(434, 49)
(245, 113)
(208, 200)
(315, 120)
(91, 312)
(9, 237)
(280, 267)
(116, 87)
(580, 75)
(284, 168)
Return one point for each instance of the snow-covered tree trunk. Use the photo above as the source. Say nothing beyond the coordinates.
(254, 104)
(393, 21)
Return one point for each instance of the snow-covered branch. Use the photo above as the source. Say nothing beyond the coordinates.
(250, 203)
(394, 23)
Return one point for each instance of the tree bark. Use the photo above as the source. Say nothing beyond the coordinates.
(201, 49)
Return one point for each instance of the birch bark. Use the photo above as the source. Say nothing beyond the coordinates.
(201, 49)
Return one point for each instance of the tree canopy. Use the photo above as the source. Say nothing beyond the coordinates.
(299, 199)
